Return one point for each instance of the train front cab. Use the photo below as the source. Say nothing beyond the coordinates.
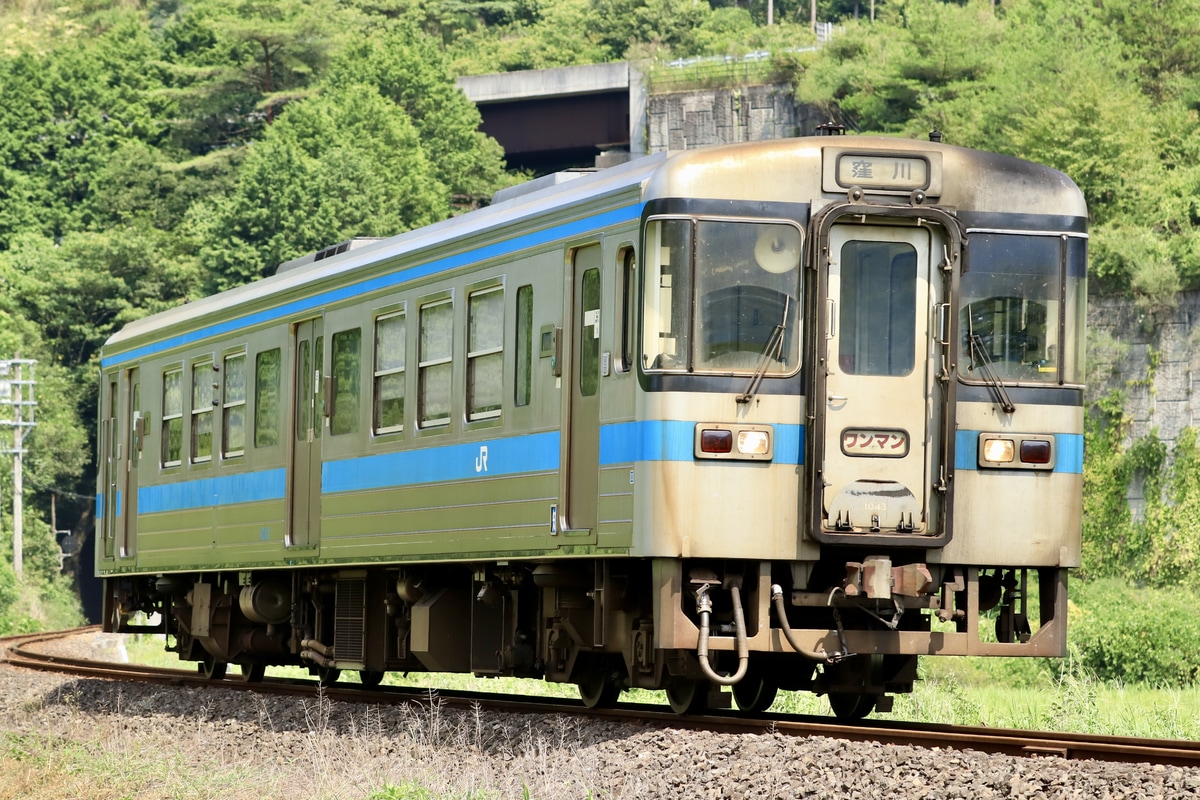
(923, 415)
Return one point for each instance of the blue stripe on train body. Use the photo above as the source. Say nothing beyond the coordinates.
(245, 487)
(620, 443)
(1068, 456)
(508, 247)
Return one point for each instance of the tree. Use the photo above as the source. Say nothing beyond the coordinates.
(234, 66)
(342, 164)
(66, 111)
(405, 67)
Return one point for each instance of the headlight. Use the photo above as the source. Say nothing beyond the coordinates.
(753, 443)
(998, 450)
(717, 440)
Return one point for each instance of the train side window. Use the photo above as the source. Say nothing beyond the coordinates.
(172, 418)
(485, 353)
(202, 411)
(347, 362)
(266, 398)
(233, 407)
(304, 410)
(589, 342)
(626, 304)
(390, 342)
(524, 378)
(434, 363)
(667, 294)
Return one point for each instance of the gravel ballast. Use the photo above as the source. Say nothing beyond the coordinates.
(159, 741)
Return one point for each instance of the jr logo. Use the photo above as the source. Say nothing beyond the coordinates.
(481, 460)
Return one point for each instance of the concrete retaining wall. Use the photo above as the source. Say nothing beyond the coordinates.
(705, 117)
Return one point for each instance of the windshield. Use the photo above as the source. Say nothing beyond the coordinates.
(1020, 311)
(721, 294)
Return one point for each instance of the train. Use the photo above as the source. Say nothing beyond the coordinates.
(782, 415)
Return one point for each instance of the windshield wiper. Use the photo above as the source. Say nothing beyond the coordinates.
(772, 352)
(989, 374)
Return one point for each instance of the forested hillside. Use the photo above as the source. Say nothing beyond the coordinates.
(153, 151)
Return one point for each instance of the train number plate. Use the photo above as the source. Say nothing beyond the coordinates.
(875, 443)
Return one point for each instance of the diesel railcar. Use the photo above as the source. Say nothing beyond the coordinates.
(777, 415)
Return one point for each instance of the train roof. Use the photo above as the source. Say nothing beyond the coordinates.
(758, 170)
(540, 208)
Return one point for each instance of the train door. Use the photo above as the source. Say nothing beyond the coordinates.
(109, 464)
(307, 420)
(131, 442)
(581, 430)
(877, 436)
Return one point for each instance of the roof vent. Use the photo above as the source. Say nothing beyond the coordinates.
(325, 253)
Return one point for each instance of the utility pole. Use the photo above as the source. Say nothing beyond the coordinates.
(17, 390)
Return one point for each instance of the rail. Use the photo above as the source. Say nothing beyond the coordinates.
(21, 651)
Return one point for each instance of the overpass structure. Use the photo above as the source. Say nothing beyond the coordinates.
(600, 115)
(569, 117)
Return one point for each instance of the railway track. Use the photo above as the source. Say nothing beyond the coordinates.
(26, 652)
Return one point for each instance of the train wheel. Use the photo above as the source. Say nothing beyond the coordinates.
(253, 673)
(754, 693)
(328, 676)
(597, 688)
(211, 668)
(687, 696)
(370, 678)
(850, 706)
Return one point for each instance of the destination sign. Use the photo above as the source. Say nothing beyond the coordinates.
(882, 172)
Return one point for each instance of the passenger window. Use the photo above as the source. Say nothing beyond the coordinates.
(390, 342)
(434, 367)
(589, 336)
(266, 398)
(524, 378)
(233, 411)
(202, 412)
(347, 360)
(172, 418)
(485, 353)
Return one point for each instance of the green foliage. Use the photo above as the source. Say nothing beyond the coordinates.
(1136, 635)
(231, 66)
(152, 151)
(345, 163)
(405, 68)
(44, 599)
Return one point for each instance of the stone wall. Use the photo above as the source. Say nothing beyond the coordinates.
(1153, 357)
(704, 117)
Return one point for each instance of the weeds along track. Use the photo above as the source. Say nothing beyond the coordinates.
(29, 651)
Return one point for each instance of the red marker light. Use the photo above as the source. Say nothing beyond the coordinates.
(716, 441)
(1035, 451)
